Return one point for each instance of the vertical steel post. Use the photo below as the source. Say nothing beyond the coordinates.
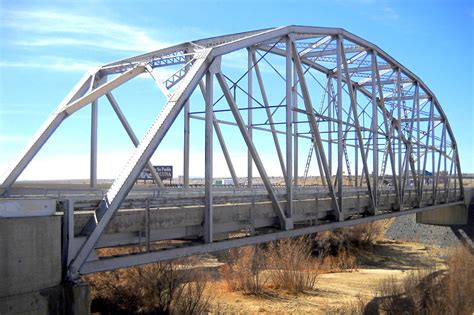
(375, 141)
(186, 140)
(147, 224)
(330, 122)
(249, 115)
(399, 122)
(441, 148)
(433, 157)
(208, 147)
(425, 155)
(446, 179)
(295, 127)
(356, 152)
(289, 129)
(418, 147)
(221, 140)
(67, 235)
(340, 140)
(93, 158)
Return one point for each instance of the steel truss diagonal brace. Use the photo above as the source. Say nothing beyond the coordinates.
(47, 130)
(314, 129)
(220, 137)
(76, 99)
(142, 154)
(269, 115)
(286, 223)
(132, 135)
(357, 124)
(390, 149)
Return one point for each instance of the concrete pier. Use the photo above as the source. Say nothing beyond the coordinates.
(30, 269)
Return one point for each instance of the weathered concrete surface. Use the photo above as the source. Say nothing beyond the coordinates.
(63, 299)
(454, 215)
(30, 251)
(31, 207)
(30, 269)
(457, 215)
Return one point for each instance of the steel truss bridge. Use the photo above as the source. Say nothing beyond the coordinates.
(375, 140)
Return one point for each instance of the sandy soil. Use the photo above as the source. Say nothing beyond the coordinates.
(333, 291)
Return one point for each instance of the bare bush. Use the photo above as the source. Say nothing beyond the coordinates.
(353, 307)
(244, 271)
(429, 291)
(345, 260)
(291, 264)
(166, 287)
(367, 234)
(459, 283)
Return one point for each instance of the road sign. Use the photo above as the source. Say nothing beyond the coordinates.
(164, 171)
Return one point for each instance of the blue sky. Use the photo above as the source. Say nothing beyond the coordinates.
(47, 46)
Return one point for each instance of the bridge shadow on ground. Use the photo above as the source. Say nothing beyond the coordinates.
(465, 233)
(395, 255)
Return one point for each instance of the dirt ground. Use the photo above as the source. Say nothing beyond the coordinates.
(333, 292)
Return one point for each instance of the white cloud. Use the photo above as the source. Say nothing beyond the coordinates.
(55, 28)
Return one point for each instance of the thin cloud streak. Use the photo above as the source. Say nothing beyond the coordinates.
(53, 28)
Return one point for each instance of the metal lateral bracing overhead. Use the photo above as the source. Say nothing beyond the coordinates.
(363, 116)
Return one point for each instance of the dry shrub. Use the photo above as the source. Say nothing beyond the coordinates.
(345, 260)
(291, 264)
(367, 234)
(166, 287)
(244, 269)
(358, 236)
(430, 291)
(353, 307)
(459, 283)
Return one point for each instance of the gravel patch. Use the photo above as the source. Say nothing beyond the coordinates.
(405, 228)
